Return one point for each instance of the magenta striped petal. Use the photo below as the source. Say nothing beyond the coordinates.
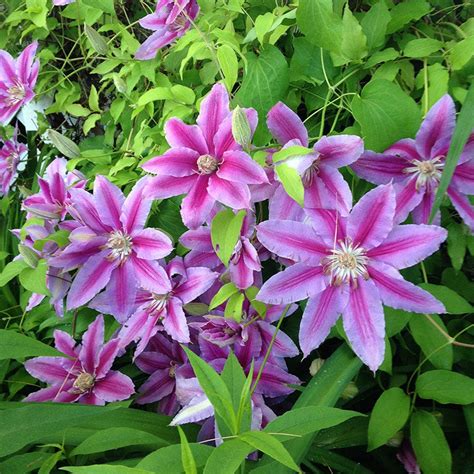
(25, 62)
(281, 206)
(161, 187)
(156, 41)
(421, 213)
(91, 398)
(47, 369)
(371, 220)
(197, 205)
(380, 168)
(175, 322)
(407, 198)
(285, 125)
(157, 387)
(401, 294)
(108, 201)
(283, 345)
(150, 362)
(229, 193)
(151, 244)
(321, 313)
(339, 150)
(339, 194)
(136, 207)
(114, 387)
(463, 178)
(327, 224)
(364, 323)
(151, 276)
(408, 245)
(464, 207)
(198, 239)
(293, 240)
(179, 134)
(274, 381)
(296, 283)
(107, 355)
(56, 393)
(176, 162)
(65, 343)
(133, 327)
(90, 279)
(405, 148)
(198, 281)
(76, 255)
(83, 209)
(7, 65)
(237, 166)
(240, 274)
(435, 132)
(121, 291)
(92, 340)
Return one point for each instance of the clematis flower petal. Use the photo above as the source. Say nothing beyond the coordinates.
(179, 134)
(83, 209)
(405, 148)
(175, 322)
(327, 224)
(176, 162)
(364, 323)
(197, 205)
(285, 125)
(157, 387)
(76, 255)
(65, 343)
(47, 369)
(274, 380)
(464, 207)
(230, 193)
(108, 201)
(339, 194)
(92, 339)
(151, 244)
(282, 206)
(198, 239)
(107, 355)
(151, 276)
(421, 213)
(339, 150)
(380, 168)
(238, 167)
(161, 187)
(198, 281)
(136, 207)
(114, 387)
(407, 198)
(153, 43)
(463, 179)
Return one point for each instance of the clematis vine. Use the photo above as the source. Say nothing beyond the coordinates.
(170, 20)
(17, 81)
(324, 185)
(205, 162)
(415, 166)
(53, 198)
(85, 376)
(11, 153)
(349, 266)
(161, 306)
(110, 247)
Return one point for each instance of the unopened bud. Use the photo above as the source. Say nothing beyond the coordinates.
(396, 440)
(315, 366)
(350, 391)
(241, 128)
(29, 255)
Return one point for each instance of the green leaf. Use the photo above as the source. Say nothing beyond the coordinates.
(97, 41)
(233, 308)
(157, 93)
(453, 303)
(115, 438)
(224, 293)
(374, 23)
(226, 458)
(107, 6)
(229, 65)
(385, 114)
(37, 12)
(225, 233)
(189, 464)
(34, 279)
(18, 346)
(354, 41)
(389, 415)
(420, 48)
(429, 443)
(94, 99)
(64, 145)
(292, 182)
(104, 469)
(464, 126)
(444, 386)
(405, 12)
(11, 270)
(269, 445)
(24, 463)
(306, 62)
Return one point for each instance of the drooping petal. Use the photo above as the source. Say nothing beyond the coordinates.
(151, 244)
(108, 200)
(274, 381)
(197, 205)
(151, 276)
(238, 167)
(56, 393)
(339, 193)
(371, 220)
(175, 322)
(283, 345)
(198, 239)
(407, 198)
(90, 279)
(240, 274)
(398, 293)
(136, 207)
(162, 187)
(321, 313)
(463, 178)
(296, 283)
(198, 281)
(364, 323)
(285, 125)
(155, 42)
(132, 328)
(157, 387)
(176, 162)
(380, 168)
(114, 387)
(92, 341)
(229, 193)
(293, 240)
(339, 150)
(437, 128)
(25, 62)
(47, 369)
(408, 245)
(179, 134)
(107, 355)
(421, 213)
(464, 207)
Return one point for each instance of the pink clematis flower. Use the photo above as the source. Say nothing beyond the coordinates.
(10, 155)
(416, 165)
(349, 266)
(17, 80)
(165, 305)
(111, 247)
(407, 457)
(324, 185)
(171, 19)
(60, 3)
(52, 200)
(205, 162)
(84, 376)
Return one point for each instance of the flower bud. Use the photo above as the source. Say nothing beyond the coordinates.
(29, 255)
(350, 391)
(315, 366)
(241, 128)
(396, 440)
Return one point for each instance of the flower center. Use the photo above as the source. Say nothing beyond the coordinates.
(310, 174)
(428, 172)
(16, 93)
(158, 302)
(11, 160)
(83, 383)
(207, 164)
(172, 369)
(179, 23)
(346, 263)
(120, 245)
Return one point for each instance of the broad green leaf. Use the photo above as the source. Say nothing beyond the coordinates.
(18, 346)
(34, 279)
(291, 153)
(225, 233)
(354, 41)
(24, 463)
(94, 99)
(453, 303)
(115, 438)
(405, 12)
(269, 445)
(229, 64)
(374, 23)
(385, 114)
(388, 54)
(105, 469)
(233, 308)
(428, 337)
(263, 23)
(77, 110)
(157, 93)
(224, 293)
(97, 41)
(395, 320)
(11, 270)
(226, 458)
(429, 443)
(461, 53)
(64, 145)
(419, 48)
(464, 126)
(187, 458)
(107, 6)
(306, 63)
(389, 415)
(37, 12)
(291, 181)
(444, 386)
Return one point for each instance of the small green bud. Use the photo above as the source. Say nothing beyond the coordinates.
(350, 391)
(241, 128)
(315, 366)
(29, 255)
(119, 83)
(396, 440)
